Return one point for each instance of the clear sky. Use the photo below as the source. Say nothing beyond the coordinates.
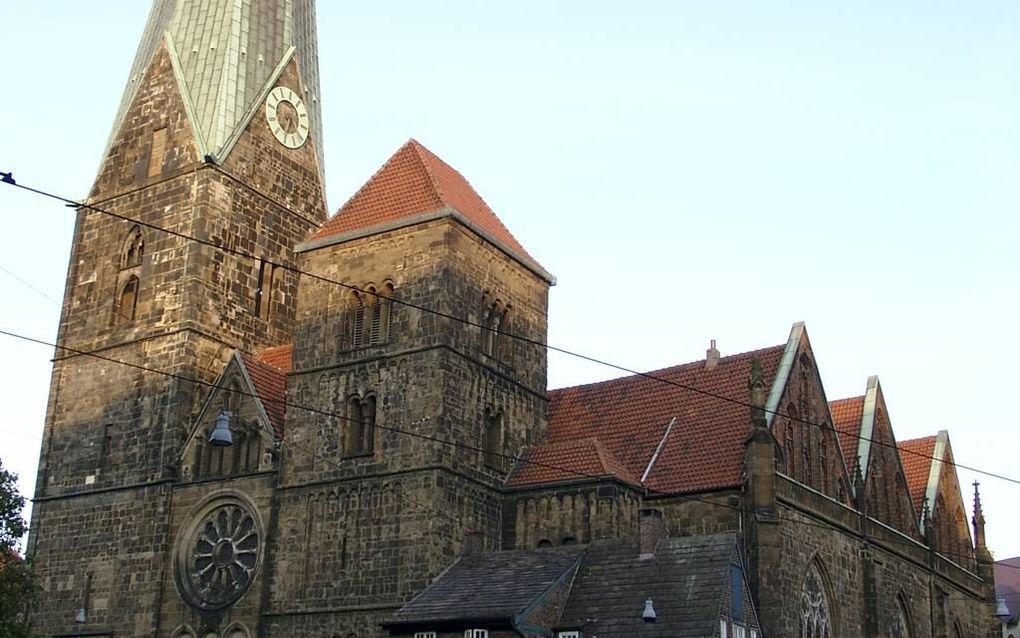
(688, 171)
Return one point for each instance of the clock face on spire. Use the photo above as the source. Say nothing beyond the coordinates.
(287, 117)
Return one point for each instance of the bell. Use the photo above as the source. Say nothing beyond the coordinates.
(1001, 610)
(648, 615)
(221, 435)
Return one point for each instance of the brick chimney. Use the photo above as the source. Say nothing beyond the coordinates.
(711, 356)
(651, 531)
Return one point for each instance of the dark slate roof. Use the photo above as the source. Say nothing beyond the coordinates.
(493, 586)
(686, 580)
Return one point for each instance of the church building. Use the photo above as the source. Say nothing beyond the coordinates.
(266, 420)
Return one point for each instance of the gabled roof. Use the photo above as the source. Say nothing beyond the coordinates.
(916, 455)
(268, 372)
(630, 416)
(411, 184)
(570, 460)
(846, 419)
(687, 579)
(493, 587)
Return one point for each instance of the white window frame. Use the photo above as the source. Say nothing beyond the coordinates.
(424, 634)
(739, 631)
(476, 633)
(569, 634)
(723, 628)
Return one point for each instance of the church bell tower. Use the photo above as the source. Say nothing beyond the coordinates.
(181, 255)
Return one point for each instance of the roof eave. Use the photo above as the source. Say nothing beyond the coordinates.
(421, 218)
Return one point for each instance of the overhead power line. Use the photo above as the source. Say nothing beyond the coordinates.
(515, 459)
(8, 179)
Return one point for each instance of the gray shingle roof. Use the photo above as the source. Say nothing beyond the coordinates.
(492, 586)
(686, 580)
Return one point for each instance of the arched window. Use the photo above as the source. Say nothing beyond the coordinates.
(270, 276)
(815, 618)
(823, 460)
(360, 426)
(493, 456)
(899, 625)
(127, 301)
(134, 249)
(358, 319)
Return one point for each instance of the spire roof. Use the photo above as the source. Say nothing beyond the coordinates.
(411, 185)
(226, 54)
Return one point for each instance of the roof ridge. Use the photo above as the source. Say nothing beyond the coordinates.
(422, 154)
(645, 374)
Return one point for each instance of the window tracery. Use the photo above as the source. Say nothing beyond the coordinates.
(814, 606)
(899, 625)
(134, 249)
(218, 557)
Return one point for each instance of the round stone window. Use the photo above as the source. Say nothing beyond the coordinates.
(219, 554)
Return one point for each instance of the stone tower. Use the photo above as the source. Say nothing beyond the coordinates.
(375, 500)
(217, 138)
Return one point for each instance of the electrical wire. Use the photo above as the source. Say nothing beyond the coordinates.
(8, 179)
(515, 459)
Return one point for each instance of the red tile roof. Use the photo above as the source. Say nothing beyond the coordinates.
(916, 455)
(570, 460)
(268, 371)
(629, 417)
(846, 419)
(415, 181)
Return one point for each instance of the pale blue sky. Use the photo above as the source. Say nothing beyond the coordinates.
(689, 171)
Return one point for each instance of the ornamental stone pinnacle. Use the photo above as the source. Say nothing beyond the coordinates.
(227, 54)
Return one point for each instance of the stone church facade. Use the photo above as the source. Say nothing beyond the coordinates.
(382, 377)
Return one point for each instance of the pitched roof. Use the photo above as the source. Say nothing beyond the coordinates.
(1007, 583)
(686, 580)
(570, 460)
(412, 182)
(846, 419)
(268, 371)
(629, 417)
(491, 586)
(916, 455)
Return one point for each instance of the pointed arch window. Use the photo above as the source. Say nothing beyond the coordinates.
(134, 249)
(495, 326)
(127, 301)
(899, 625)
(815, 619)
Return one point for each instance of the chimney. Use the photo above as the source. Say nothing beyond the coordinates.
(711, 356)
(652, 529)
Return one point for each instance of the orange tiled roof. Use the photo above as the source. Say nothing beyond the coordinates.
(629, 416)
(916, 455)
(415, 181)
(268, 371)
(846, 419)
(570, 460)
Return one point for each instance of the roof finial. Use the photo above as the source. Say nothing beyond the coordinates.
(978, 521)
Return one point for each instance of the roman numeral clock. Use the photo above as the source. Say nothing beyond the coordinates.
(287, 117)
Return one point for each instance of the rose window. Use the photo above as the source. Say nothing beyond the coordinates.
(218, 560)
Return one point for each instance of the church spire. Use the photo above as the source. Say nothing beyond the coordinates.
(226, 55)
